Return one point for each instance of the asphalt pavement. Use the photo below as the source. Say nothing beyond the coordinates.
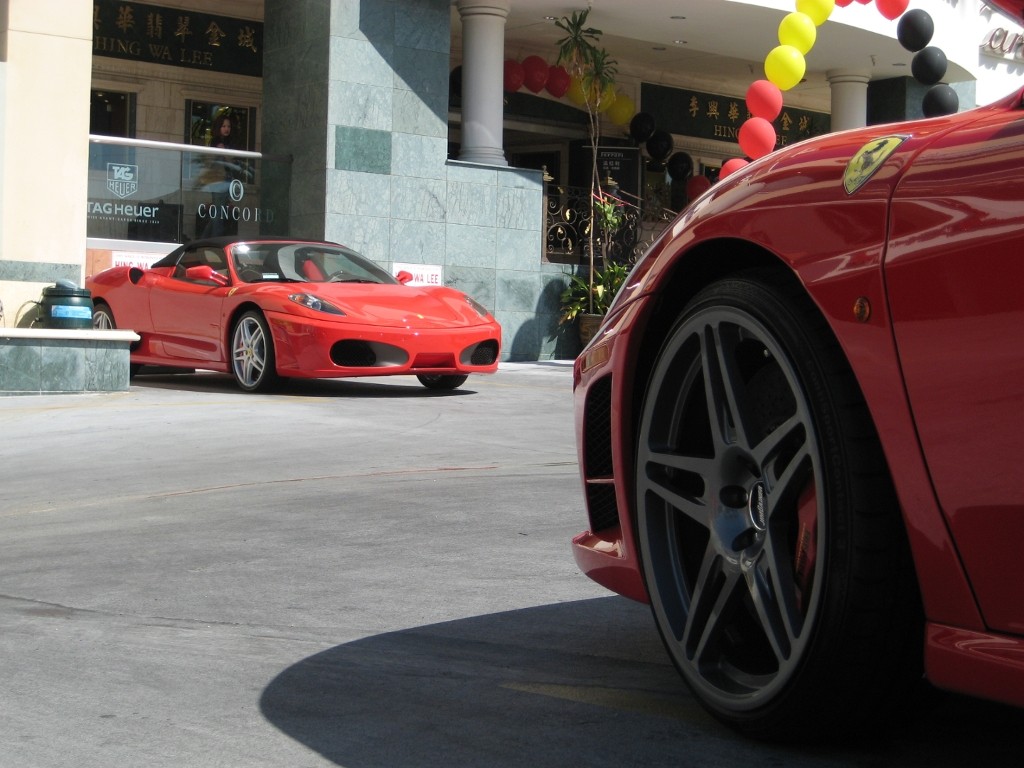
(348, 573)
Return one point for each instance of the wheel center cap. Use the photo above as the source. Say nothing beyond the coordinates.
(757, 506)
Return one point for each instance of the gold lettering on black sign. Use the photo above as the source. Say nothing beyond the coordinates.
(170, 36)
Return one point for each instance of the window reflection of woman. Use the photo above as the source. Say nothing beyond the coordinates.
(221, 137)
(220, 132)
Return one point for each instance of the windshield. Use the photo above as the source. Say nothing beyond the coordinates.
(304, 263)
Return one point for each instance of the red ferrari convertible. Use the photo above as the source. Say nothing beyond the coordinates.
(269, 309)
(800, 427)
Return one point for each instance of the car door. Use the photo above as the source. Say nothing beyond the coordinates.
(187, 313)
(955, 272)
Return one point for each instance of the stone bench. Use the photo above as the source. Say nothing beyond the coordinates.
(39, 361)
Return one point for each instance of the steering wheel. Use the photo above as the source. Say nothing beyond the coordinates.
(250, 275)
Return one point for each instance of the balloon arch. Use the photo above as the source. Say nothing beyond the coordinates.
(784, 68)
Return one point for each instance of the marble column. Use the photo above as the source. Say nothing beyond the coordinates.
(849, 98)
(483, 56)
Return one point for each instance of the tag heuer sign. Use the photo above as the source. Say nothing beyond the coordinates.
(122, 179)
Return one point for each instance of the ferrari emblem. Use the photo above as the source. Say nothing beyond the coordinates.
(868, 160)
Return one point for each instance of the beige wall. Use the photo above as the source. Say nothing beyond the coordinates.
(43, 139)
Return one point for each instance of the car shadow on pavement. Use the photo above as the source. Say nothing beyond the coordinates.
(583, 683)
(375, 387)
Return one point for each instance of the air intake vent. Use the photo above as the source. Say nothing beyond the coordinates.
(485, 353)
(597, 430)
(602, 507)
(353, 353)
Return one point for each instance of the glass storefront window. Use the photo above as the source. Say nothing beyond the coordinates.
(153, 191)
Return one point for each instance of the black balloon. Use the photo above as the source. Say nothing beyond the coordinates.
(641, 127)
(660, 145)
(915, 30)
(940, 100)
(679, 166)
(929, 65)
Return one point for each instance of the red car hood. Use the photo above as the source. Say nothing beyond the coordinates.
(400, 306)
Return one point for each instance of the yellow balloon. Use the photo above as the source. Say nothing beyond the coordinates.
(575, 93)
(622, 111)
(798, 30)
(785, 66)
(818, 10)
(606, 99)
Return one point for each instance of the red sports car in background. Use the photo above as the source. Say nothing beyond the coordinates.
(801, 425)
(269, 309)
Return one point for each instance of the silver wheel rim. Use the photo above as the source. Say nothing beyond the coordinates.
(743, 567)
(249, 352)
(101, 321)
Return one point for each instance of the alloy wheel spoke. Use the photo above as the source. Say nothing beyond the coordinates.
(708, 614)
(692, 507)
(772, 593)
(727, 407)
(665, 467)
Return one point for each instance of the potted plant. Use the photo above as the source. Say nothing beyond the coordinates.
(595, 72)
(587, 301)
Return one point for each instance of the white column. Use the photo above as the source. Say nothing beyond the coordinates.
(849, 98)
(483, 59)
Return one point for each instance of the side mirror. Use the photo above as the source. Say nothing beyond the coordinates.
(403, 277)
(207, 273)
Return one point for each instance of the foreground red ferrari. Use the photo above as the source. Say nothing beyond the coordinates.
(800, 427)
(270, 309)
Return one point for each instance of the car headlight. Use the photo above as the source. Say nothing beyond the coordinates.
(310, 301)
(480, 308)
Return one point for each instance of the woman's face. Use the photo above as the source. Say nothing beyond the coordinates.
(225, 128)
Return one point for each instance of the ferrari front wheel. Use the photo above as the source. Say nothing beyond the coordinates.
(252, 354)
(770, 538)
(442, 382)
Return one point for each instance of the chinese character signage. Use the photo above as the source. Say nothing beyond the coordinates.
(710, 116)
(177, 37)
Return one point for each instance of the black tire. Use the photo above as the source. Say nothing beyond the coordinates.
(253, 362)
(442, 382)
(770, 537)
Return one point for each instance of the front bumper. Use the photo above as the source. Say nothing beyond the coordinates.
(606, 552)
(308, 348)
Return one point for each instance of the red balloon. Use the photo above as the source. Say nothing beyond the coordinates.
(843, 3)
(697, 185)
(535, 73)
(757, 137)
(558, 81)
(513, 75)
(892, 9)
(864, 2)
(764, 99)
(731, 166)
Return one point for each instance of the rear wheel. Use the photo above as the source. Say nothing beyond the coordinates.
(771, 541)
(252, 354)
(102, 318)
(442, 382)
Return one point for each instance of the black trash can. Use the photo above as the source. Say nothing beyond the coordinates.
(66, 306)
